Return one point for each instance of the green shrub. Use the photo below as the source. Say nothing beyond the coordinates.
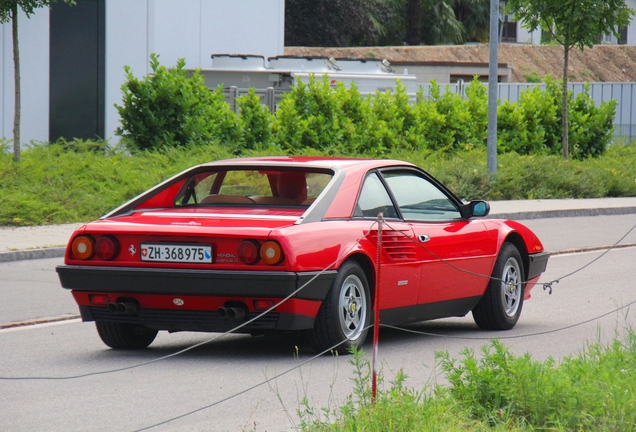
(308, 116)
(255, 122)
(590, 127)
(171, 107)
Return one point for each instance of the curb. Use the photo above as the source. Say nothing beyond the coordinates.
(30, 254)
(546, 214)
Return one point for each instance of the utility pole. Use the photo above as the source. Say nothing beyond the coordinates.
(493, 86)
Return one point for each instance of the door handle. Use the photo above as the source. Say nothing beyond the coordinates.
(424, 238)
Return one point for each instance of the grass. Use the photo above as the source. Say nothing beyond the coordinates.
(80, 181)
(497, 391)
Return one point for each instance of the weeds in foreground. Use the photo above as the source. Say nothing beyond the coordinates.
(498, 391)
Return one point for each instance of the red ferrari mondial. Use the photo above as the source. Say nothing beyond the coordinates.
(291, 243)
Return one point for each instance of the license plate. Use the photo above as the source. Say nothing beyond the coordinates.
(176, 253)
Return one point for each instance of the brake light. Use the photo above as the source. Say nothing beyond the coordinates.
(248, 252)
(271, 253)
(83, 247)
(106, 248)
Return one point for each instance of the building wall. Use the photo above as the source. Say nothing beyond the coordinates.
(631, 30)
(192, 29)
(34, 65)
(524, 36)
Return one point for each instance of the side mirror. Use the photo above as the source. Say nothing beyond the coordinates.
(479, 208)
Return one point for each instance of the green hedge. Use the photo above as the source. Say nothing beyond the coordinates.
(171, 107)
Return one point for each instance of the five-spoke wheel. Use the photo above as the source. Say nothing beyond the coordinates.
(500, 307)
(345, 314)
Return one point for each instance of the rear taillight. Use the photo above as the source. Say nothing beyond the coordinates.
(251, 252)
(83, 247)
(106, 248)
(248, 252)
(271, 253)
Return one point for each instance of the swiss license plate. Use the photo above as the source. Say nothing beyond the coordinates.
(176, 253)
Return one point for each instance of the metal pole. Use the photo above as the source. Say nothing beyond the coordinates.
(493, 86)
(376, 314)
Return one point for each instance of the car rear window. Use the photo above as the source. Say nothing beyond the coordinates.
(253, 187)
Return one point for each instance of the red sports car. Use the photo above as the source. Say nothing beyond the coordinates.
(291, 243)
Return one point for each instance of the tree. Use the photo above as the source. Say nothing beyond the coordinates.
(571, 23)
(332, 23)
(9, 10)
(475, 17)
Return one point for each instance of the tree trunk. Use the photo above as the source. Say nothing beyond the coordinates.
(564, 112)
(16, 69)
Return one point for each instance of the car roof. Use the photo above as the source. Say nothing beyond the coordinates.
(309, 162)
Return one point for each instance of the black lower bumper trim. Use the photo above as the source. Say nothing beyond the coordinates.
(200, 321)
(537, 264)
(196, 282)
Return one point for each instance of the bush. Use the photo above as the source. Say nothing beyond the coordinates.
(255, 123)
(528, 126)
(171, 108)
(590, 127)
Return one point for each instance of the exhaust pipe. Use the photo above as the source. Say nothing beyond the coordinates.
(123, 308)
(232, 313)
(236, 314)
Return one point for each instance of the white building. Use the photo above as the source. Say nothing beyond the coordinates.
(515, 32)
(72, 58)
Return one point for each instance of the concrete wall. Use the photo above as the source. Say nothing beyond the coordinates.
(34, 63)
(192, 29)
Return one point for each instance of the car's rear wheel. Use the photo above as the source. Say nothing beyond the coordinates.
(345, 313)
(500, 307)
(125, 336)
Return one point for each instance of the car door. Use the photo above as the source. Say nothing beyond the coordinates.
(400, 273)
(457, 253)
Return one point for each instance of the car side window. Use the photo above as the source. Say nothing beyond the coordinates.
(419, 199)
(374, 199)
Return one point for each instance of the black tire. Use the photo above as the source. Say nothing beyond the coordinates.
(500, 307)
(125, 336)
(345, 314)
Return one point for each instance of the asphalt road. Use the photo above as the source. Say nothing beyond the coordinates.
(200, 379)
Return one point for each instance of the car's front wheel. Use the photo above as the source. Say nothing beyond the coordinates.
(125, 336)
(345, 314)
(500, 307)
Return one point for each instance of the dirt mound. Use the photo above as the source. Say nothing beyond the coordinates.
(605, 63)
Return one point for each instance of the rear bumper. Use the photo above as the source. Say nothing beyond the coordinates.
(189, 300)
(196, 282)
